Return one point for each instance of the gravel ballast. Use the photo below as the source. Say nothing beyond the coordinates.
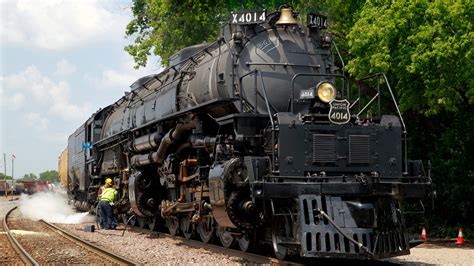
(153, 249)
(150, 248)
(48, 247)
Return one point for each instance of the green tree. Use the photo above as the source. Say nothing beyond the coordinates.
(427, 49)
(426, 46)
(163, 27)
(51, 175)
(30, 176)
(3, 176)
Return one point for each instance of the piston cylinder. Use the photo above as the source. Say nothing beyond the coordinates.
(146, 142)
(144, 159)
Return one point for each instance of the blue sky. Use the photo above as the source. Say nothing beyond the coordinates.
(60, 61)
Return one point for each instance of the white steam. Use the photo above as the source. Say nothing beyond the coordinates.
(52, 207)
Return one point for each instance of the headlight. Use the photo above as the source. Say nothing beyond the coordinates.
(326, 91)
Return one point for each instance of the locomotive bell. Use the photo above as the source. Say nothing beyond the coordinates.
(286, 17)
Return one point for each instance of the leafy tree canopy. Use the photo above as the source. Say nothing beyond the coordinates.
(3, 176)
(426, 46)
(51, 175)
(427, 49)
(30, 176)
(163, 27)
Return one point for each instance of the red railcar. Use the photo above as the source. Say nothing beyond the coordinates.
(33, 186)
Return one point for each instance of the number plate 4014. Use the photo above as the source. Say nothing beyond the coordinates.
(317, 21)
(248, 17)
(339, 112)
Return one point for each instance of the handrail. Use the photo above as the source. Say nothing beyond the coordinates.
(367, 105)
(280, 64)
(242, 92)
(391, 93)
(396, 106)
(343, 67)
(258, 73)
(257, 93)
(271, 119)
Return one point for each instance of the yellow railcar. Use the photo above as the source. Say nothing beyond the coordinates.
(62, 169)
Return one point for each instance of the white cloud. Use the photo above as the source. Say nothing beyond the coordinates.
(30, 80)
(11, 102)
(54, 137)
(17, 100)
(54, 95)
(37, 122)
(112, 78)
(64, 68)
(59, 24)
(122, 76)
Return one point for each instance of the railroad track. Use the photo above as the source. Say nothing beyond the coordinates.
(247, 256)
(72, 250)
(25, 256)
(259, 258)
(255, 258)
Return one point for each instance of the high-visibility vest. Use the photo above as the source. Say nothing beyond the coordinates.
(108, 194)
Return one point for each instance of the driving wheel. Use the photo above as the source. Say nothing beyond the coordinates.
(173, 225)
(282, 230)
(226, 238)
(247, 242)
(186, 227)
(205, 229)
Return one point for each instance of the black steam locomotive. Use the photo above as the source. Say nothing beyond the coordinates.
(257, 138)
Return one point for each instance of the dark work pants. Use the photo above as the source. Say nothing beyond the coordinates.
(106, 215)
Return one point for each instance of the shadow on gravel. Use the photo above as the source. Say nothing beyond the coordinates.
(351, 262)
(447, 245)
(153, 236)
(410, 263)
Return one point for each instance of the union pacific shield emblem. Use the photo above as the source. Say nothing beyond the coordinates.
(339, 112)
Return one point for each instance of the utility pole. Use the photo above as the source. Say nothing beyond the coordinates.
(13, 167)
(5, 164)
(5, 185)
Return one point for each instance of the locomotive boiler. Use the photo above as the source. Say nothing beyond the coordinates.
(257, 138)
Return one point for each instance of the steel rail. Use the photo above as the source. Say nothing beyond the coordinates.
(95, 249)
(252, 257)
(25, 256)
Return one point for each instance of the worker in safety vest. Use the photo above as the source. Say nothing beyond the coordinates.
(107, 194)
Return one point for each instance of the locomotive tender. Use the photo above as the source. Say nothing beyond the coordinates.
(257, 138)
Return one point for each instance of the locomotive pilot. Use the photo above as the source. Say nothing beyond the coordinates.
(107, 195)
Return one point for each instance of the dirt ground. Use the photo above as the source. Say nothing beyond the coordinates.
(439, 254)
(425, 254)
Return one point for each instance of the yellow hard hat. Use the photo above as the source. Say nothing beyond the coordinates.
(108, 181)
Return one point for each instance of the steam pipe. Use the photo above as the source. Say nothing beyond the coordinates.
(360, 245)
(207, 143)
(181, 147)
(144, 159)
(174, 134)
(165, 142)
(146, 142)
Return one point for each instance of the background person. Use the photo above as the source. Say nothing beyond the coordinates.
(107, 194)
